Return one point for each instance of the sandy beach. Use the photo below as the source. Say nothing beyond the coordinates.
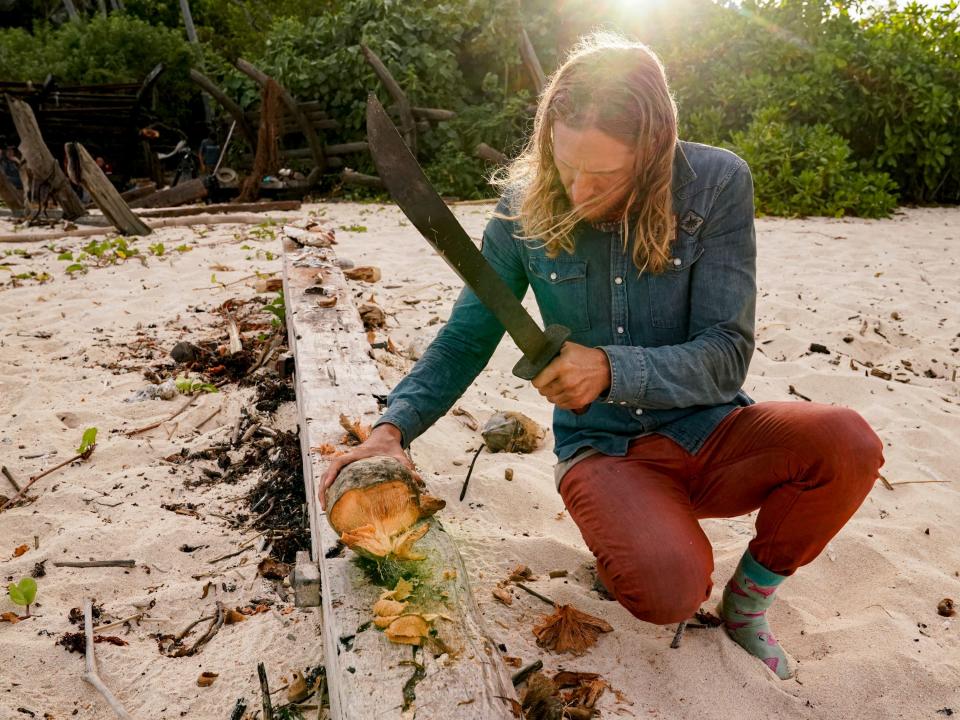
(880, 297)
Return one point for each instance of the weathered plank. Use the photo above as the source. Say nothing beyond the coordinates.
(189, 191)
(366, 673)
(45, 169)
(84, 171)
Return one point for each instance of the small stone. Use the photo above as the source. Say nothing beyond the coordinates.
(946, 608)
(508, 474)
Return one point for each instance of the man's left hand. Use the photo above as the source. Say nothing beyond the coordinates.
(575, 378)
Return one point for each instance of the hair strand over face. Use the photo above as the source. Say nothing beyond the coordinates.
(618, 87)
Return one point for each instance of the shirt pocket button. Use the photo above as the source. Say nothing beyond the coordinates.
(553, 276)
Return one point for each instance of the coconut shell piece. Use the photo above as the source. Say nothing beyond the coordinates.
(377, 507)
(570, 630)
(511, 432)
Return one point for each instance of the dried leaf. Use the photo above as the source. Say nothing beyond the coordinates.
(206, 678)
(364, 273)
(569, 630)
(503, 595)
(20, 550)
(10, 617)
(273, 569)
(402, 591)
(233, 616)
(521, 573)
(297, 691)
(386, 607)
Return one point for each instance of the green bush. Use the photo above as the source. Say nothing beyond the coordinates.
(807, 170)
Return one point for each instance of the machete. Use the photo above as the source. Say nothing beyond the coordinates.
(411, 190)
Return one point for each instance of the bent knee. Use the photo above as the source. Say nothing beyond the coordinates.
(841, 437)
(676, 600)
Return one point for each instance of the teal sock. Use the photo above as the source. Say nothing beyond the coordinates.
(743, 609)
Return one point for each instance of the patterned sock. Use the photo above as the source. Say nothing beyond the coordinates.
(743, 609)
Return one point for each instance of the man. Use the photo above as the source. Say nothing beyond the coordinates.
(644, 247)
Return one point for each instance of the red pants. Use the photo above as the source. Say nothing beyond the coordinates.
(806, 466)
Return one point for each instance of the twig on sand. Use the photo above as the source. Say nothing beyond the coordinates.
(151, 426)
(8, 476)
(520, 675)
(92, 676)
(95, 563)
(265, 691)
(537, 595)
(16, 498)
(463, 490)
(678, 636)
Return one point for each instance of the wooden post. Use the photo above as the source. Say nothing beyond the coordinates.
(192, 38)
(84, 170)
(531, 61)
(367, 675)
(235, 111)
(408, 126)
(316, 147)
(11, 197)
(37, 155)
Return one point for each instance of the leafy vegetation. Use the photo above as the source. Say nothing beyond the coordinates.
(23, 592)
(839, 107)
(191, 386)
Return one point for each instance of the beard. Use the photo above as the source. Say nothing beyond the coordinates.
(604, 208)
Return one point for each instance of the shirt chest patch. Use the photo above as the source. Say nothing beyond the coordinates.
(690, 222)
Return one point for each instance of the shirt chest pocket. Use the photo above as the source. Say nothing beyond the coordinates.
(670, 290)
(560, 285)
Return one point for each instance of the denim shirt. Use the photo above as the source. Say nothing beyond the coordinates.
(678, 342)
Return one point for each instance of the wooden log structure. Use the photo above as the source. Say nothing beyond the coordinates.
(37, 155)
(313, 140)
(351, 177)
(485, 152)
(139, 192)
(83, 170)
(408, 126)
(10, 196)
(190, 191)
(368, 676)
(531, 61)
(227, 103)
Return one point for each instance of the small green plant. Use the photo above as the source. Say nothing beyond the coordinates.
(75, 267)
(183, 248)
(276, 308)
(189, 386)
(23, 592)
(354, 228)
(87, 442)
(158, 249)
(264, 231)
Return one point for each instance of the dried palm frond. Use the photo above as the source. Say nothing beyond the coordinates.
(570, 630)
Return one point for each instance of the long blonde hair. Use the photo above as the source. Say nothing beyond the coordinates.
(619, 88)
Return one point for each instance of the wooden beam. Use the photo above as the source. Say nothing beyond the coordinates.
(83, 170)
(485, 152)
(366, 673)
(11, 197)
(350, 177)
(408, 126)
(139, 192)
(316, 147)
(215, 208)
(227, 103)
(37, 155)
(531, 61)
(186, 192)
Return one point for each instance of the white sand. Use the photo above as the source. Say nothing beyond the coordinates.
(861, 619)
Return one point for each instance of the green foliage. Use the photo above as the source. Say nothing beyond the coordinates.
(807, 170)
(100, 253)
(112, 49)
(158, 249)
(276, 308)
(88, 441)
(23, 592)
(189, 386)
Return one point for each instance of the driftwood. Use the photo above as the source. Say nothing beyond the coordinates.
(369, 676)
(10, 196)
(91, 675)
(407, 127)
(351, 177)
(95, 563)
(238, 219)
(485, 152)
(316, 146)
(46, 171)
(84, 171)
(139, 192)
(531, 61)
(186, 192)
(223, 208)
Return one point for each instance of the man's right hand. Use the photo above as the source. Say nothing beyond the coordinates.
(385, 439)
